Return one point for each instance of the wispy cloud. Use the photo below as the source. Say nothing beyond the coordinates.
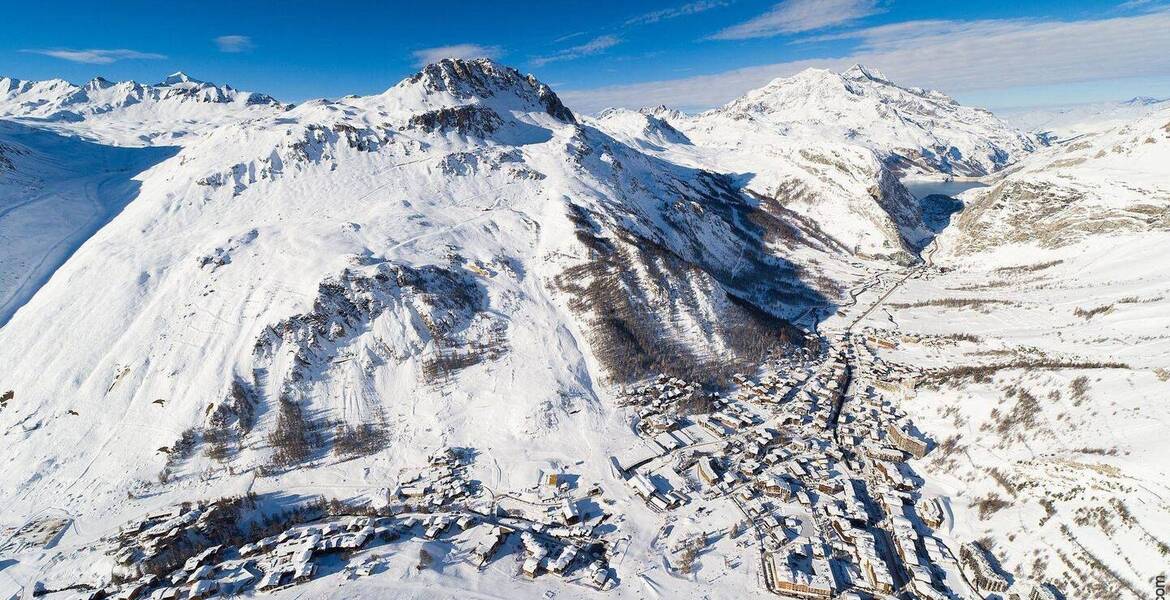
(690, 8)
(569, 36)
(233, 44)
(795, 16)
(594, 46)
(910, 34)
(96, 56)
(1138, 4)
(979, 55)
(427, 56)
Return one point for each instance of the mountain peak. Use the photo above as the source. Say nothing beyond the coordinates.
(98, 83)
(484, 78)
(179, 77)
(1143, 101)
(859, 71)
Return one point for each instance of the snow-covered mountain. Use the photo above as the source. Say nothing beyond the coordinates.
(206, 293)
(1111, 182)
(830, 148)
(129, 112)
(842, 192)
(457, 246)
(914, 130)
(1064, 122)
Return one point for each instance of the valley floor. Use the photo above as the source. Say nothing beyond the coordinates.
(1038, 382)
(1048, 401)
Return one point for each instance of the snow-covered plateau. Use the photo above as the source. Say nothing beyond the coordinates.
(455, 340)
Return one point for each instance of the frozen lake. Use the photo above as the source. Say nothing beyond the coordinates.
(937, 199)
(922, 188)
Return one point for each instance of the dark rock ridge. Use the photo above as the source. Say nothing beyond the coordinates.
(483, 78)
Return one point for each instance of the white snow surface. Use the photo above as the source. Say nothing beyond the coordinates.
(330, 253)
(917, 131)
(1113, 181)
(130, 113)
(326, 253)
(1064, 122)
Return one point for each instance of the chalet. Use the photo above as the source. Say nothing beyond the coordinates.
(792, 581)
(487, 544)
(658, 423)
(202, 589)
(563, 560)
(707, 471)
(130, 592)
(641, 485)
(203, 572)
(569, 512)
(270, 580)
(436, 527)
(667, 442)
(930, 511)
(773, 485)
(531, 566)
(598, 574)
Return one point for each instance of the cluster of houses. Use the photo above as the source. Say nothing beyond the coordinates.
(815, 452)
(442, 481)
(986, 575)
(435, 502)
(814, 455)
(38, 533)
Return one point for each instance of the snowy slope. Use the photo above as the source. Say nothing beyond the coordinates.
(842, 193)
(1105, 183)
(914, 130)
(456, 247)
(1045, 326)
(1048, 404)
(56, 191)
(829, 147)
(131, 113)
(1064, 122)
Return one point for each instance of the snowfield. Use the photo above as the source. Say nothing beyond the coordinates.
(455, 340)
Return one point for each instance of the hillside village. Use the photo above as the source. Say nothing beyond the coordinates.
(808, 464)
(458, 340)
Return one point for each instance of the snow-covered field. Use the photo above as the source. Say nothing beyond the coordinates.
(1055, 452)
(206, 294)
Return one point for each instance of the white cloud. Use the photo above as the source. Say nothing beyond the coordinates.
(234, 43)
(427, 56)
(569, 36)
(593, 46)
(96, 56)
(954, 56)
(690, 8)
(795, 16)
(1136, 4)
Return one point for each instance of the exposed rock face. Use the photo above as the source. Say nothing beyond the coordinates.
(5, 161)
(482, 78)
(465, 120)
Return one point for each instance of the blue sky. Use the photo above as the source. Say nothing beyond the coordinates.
(688, 53)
